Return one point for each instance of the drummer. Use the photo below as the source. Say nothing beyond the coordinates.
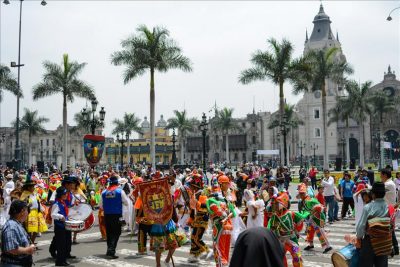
(59, 213)
(80, 196)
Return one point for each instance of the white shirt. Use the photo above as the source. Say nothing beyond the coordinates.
(8, 188)
(328, 185)
(390, 196)
(175, 186)
(54, 213)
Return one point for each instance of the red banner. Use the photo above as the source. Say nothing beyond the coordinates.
(157, 200)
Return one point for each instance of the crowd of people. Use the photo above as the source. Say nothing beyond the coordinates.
(234, 204)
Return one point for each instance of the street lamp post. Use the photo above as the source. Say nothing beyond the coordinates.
(301, 146)
(284, 132)
(18, 66)
(92, 121)
(173, 160)
(204, 129)
(389, 18)
(122, 141)
(140, 148)
(314, 147)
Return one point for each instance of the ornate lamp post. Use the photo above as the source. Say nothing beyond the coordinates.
(140, 148)
(173, 160)
(389, 18)
(92, 120)
(314, 147)
(18, 66)
(122, 141)
(301, 146)
(204, 129)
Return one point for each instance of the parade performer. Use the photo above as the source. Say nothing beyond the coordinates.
(35, 222)
(143, 222)
(286, 224)
(102, 225)
(182, 198)
(112, 200)
(221, 211)
(59, 213)
(316, 221)
(198, 219)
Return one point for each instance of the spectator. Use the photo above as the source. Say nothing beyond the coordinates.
(376, 209)
(15, 247)
(397, 183)
(257, 247)
(313, 176)
(346, 186)
(329, 193)
(320, 195)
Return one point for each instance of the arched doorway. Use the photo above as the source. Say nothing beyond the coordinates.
(392, 136)
(354, 150)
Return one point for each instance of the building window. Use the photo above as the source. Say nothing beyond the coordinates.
(54, 142)
(316, 113)
(236, 157)
(253, 140)
(317, 132)
(216, 140)
(244, 156)
(47, 142)
(253, 124)
(41, 142)
(243, 124)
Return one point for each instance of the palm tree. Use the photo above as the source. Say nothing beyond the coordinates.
(33, 124)
(291, 121)
(131, 124)
(63, 79)
(8, 82)
(225, 122)
(184, 125)
(381, 105)
(323, 65)
(341, 112)
(360, 97)
(81, 123)
(151, 50)
(278, 66)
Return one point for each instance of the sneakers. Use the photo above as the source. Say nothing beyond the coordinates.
(309, 247)
(327, 250)
(112, 257)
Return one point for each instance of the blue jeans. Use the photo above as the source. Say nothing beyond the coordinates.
(336, 210)
(330, 203)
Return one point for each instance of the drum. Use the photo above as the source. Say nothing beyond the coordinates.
(82, 212)
(74, 226)
(343, 257)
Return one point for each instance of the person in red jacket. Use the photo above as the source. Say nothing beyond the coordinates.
(320, 195)
(313, 176)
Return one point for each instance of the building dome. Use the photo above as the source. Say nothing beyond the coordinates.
(161, 122)
(321, 15)
(145, 124)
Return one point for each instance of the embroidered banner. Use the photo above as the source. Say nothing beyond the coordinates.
(157, 200)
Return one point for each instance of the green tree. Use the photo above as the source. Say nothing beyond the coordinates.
(341, 112)
(63, 79)
(8, 82)
(278, 66)
(33, 124)
(323, 65)
(291, 121)
(382, 104)
(225, 123)
(360, 108)
(151, 50)
(184, 125)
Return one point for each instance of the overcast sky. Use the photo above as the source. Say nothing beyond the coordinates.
(218, 37)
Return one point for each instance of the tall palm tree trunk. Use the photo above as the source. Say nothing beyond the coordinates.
(152, 111)
(325, 134)
(227, 148)
(128, 151)
(30, 150)
(381, 140)
(361, 128)
(182, 149)
(65, 130)
(281, 112)
(347, 144)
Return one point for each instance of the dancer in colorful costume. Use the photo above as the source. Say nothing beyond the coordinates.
(198, 218)
(35, 222)
(316, 221)
(221, 211)
(286, 224)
